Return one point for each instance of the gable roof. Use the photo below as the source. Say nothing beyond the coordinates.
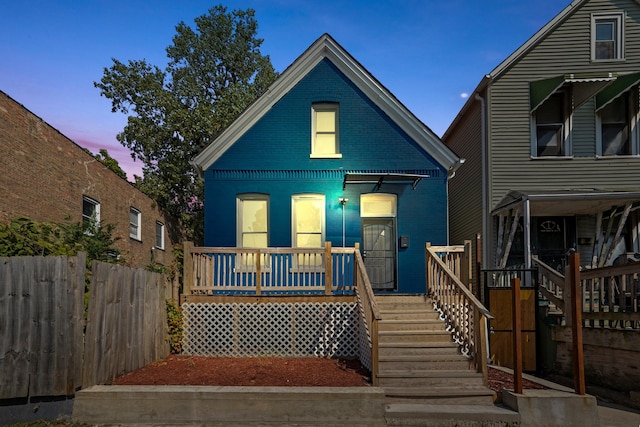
(326, 47)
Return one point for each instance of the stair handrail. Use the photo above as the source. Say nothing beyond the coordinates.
(369, 310)
(465, 315)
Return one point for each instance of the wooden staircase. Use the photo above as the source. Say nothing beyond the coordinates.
(426, 380)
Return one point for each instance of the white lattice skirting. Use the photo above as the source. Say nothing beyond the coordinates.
(273, 329)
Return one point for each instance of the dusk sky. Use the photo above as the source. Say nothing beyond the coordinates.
(429, 54)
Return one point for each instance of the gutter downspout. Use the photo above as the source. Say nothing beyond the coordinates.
(450, 174)
(483, 144)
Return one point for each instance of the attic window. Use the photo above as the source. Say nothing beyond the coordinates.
(607, 37)
(325, 141)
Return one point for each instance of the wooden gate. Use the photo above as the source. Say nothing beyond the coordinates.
(499, 301)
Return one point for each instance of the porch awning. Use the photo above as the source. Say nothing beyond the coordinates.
(382, 178)
(565, 202)
(585, 86)
(615, 89)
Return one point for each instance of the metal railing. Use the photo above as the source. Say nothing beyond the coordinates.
(464, 314)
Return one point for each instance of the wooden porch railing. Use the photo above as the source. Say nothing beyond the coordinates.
(268, 271)
(370, 312)
(284, 271)
(610, 295)
(466, 317)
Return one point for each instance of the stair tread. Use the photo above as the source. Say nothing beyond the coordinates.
(441, 391)
(447, 344)
(415, 332)
(429, 373)
(423, 358)
(405, 321)
(421, 408)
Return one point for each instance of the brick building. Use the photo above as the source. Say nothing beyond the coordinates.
(47, 177)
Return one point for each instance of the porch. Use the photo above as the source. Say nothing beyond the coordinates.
(429, 347)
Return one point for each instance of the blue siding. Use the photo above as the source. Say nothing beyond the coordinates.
(273, 158)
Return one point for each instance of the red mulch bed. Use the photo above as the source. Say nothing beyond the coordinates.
(270, 371)
(248, 371)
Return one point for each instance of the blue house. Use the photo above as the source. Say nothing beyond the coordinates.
(328, 154)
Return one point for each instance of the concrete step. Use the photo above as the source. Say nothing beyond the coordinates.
(429, 378)
(459, 395)
(429, 415)
(427, 362)
(410, 349)
(417, 336)
(410, 325)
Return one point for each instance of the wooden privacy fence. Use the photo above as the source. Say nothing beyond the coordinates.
(44, 350)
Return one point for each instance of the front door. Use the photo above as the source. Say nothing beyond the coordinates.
(379, 251)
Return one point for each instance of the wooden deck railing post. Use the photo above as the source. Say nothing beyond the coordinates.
(258, 279)
(374, 351)
(187, 268)
(576, 323)
(481, 342)
(465, 265)
(328, 269)
(517, 335)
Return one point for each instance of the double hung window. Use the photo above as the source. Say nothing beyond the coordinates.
(325, 130)
(135, 225)
(607, 42)
(551, 126)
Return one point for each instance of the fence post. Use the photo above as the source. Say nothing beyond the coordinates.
(328, 269)
(576, 323)
(517, 335)
(187, 268)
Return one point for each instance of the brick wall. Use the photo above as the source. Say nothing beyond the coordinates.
(44, 176)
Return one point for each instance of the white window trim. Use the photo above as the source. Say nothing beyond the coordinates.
(162, 230)
(96, 204)
(138, 233)
(619, 18)
(244, 263)
(240, 198)
(567, 127)
(323, 226)
(325, 106)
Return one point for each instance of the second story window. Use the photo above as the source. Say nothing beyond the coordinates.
(607, 37)
(325, 141)
(135, 225)
(550, 127)
(616, 122)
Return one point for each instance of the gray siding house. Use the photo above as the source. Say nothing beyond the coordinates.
(552, 145)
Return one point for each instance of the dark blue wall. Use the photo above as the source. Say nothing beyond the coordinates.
(273, 158)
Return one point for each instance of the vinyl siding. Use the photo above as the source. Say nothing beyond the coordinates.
(465, 188)
(566, 50)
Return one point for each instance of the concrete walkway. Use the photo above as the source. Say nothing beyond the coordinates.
(618, 416)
